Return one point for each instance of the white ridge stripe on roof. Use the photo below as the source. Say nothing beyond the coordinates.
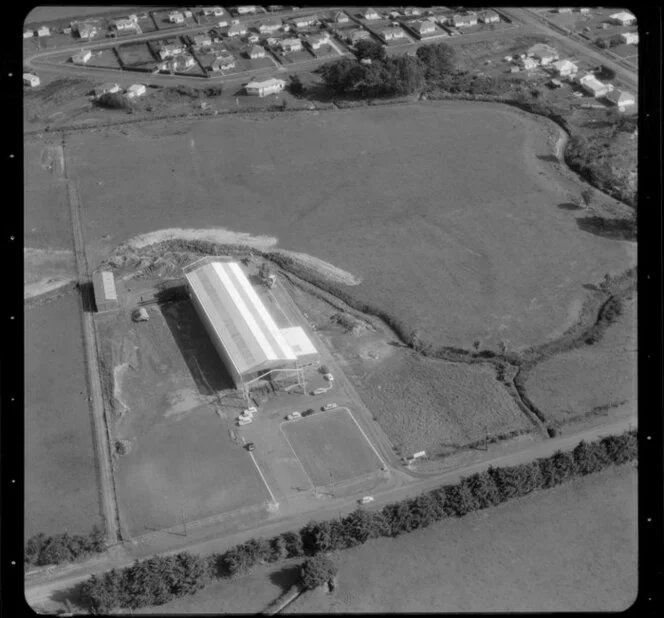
(262, 311)
(244, 311)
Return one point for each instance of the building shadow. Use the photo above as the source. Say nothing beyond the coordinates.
(615, 229)
(569, 206)
(285, 578)
(87, 294)
(190, 335)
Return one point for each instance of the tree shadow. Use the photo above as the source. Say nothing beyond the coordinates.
(285, 578)
(615, 229)
(198, 351)
(569, 206)
(69, 595)
(590, 287)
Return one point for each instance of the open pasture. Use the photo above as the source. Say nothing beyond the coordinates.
(160, 378)
(598, 379)
(61, 489)
(450, 212)
(331, 447)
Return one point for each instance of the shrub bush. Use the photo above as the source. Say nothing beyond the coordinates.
(317, 571)
(42, 550)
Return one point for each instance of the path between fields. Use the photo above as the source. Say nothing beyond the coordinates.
(124, 556)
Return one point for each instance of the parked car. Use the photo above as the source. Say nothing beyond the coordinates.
(329, 406)
(328, 376)
(308, 412)
(319, 391)
(293, 415)
(244, 421)
(366, 500)
(250, 446)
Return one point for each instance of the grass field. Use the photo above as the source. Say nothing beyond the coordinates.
(572, 548)
(331, 447)
(61, 492)
(462, 255)
(136, 55)
(182, 463)
(573, 384)
(438, 406)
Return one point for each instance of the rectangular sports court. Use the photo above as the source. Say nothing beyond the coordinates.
(331, 447)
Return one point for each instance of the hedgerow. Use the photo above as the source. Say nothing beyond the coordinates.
(158, 580)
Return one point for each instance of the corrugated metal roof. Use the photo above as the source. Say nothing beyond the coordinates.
(241, 321)
(298, 340)
(104, 286)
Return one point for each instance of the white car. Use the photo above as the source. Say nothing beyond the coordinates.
(366, 500)
(328, 376)
(293, 416)
(329, 406)
(319, 391)
(244, 421)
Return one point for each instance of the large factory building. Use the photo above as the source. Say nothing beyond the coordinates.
(241, 328)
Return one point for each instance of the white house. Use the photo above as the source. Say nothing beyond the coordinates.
(108, 88)
(44, 31)
(488, 17)
(317, 41)
(422, 27)
(631, 38)
(237, 30)
(30, 79)
(176, 17)
(564, 68)
(202, 40)
(564, 9)
(257, 52)
(170, 49)
(529, 63)
(27, 34)
(246, 10)
(136, 90)
(544, 53)
(584, 10)
(178, 63)
(392, 33)
(223, 62)
(623, 18)
(593, 86)
(357, 35)
(222, 23)
(620, 98)
(340, 18)
(270, 25)
(412, 10)
(122, 25)
(82, 57)
(265, 87)
(370, 14)
(465, 21)
(86, 30)
(304, 21)
(290, 45)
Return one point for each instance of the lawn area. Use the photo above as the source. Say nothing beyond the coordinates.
(592, 379)
(438, 406)
(136, 55)
(331, 447)
(455, 238)
(104, 58)
(182, 461)
(568, 549)
(61, 490)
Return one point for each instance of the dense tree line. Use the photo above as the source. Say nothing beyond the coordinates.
(42, 550)
(158, 580)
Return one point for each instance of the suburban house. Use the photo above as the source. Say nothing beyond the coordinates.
(290, 45)
(370, 14)
(631, 38)
(529, 63)
(178, 63)
(422, 27)
(305, 21)
(465, 21)
(391, 33)
(544, 53)
(136, 90)
(246, 10)
(202, 40)
(623, 18)
(488, 17)
(564, 68)
(270, 25)
(340, 18)
(44, 31)
(584, 10)
(30, 79)
(265, 87)
(108, 88)
(253, 38)
(86, 30)
(620, 98)
(593, 86)
(124, 24)
(411, 11)
(564, 9)
(237, 30)
(222, 23)
(28, 34)
(176, 17)
(170, 49)
(317, 41)
(357, 35)
(223, 62)
(217, 11)
(257, 52)
(82, 57)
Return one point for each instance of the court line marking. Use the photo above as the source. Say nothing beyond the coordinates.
(274, 500)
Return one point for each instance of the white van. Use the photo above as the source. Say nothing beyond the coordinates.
(244, 421)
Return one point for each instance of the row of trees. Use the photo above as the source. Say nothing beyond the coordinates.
(160, 579)
(42, 550)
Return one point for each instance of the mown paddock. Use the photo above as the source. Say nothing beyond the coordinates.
(182, 464)
(61, 485)
(459, 233)
(331, 447)
(436, 406)
(598, 379)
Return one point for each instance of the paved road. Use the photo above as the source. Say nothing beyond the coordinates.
(525, 16)
(40, 591)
